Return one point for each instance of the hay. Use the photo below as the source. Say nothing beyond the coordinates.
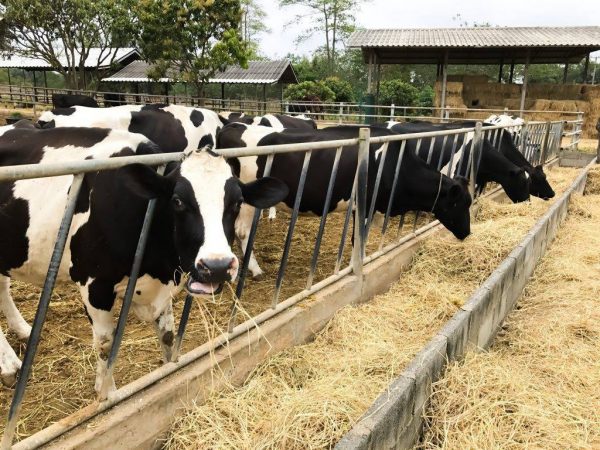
(310, 395)
(538, 385)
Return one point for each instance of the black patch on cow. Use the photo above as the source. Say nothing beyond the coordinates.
(197, 118)
(63, 111)
(160, 127)
(14, 243)
(153, 106)
(207, 141)
(235, 166)
(265, 122)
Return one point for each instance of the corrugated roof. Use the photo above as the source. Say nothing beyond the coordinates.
(27, 62)
(478, 37)
(258, 72)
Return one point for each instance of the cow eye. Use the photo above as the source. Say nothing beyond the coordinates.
(178, 205)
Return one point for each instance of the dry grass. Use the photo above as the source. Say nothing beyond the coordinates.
(310, 395)
(538, 385)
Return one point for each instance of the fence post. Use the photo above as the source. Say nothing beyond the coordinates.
(524, 137)
(360, 199)
(545, 143)
(392, 112)
(341, 113)
(476, 149)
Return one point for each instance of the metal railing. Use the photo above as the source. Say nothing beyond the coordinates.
(334, 112)
(540, 143)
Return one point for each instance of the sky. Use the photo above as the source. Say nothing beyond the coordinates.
(427, 13)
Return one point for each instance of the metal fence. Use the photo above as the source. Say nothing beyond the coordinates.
(539, 143)
(350, 112)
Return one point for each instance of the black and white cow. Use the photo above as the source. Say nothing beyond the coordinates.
(238, 117)
(419, 187)
(493, 165)
(68, 100)
(538, 182)
(280, 122)
(174, 128)
(198, 201)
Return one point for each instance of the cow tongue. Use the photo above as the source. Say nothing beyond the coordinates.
(207, 288)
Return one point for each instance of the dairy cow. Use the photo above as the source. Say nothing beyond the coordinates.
(68, 100)
(419, 187)
(174, 128)
(492, 165)
(198, 201)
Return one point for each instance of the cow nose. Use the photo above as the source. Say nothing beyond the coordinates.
(217, 267)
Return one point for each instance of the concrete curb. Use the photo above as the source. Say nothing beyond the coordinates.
(395, 420)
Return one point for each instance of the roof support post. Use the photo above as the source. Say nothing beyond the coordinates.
(223, 95)
(512, 72)
(586, 68)
(525, 79)
(566, 72)
(370, 73)
(264, 98)
(34, 89)
(46, 86)
(500, 72)
(9, 83)
(167, 93)
(444, 85)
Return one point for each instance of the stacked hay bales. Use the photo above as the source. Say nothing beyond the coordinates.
(454, 97)
(591, 94)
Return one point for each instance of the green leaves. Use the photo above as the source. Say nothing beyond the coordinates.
(193, 38)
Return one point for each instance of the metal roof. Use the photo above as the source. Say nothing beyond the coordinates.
(479, 44)
(27, 62)
(258, 72)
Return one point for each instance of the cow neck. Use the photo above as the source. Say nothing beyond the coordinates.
(494, 167)
(511, 152)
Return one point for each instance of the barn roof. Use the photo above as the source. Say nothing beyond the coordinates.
(478, 45)
(123, 55)
(258, 72)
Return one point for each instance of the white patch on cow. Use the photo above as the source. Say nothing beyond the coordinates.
(208, 174)
(274, 122)
(47, 197)
(13, 316)
(380, 150)
(456, 160)
(390, 123)
(6, 128)
(117, 117)
(512, 124)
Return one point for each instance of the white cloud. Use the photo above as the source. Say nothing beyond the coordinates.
(428, 13)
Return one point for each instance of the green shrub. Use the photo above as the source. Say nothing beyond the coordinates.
(398, 92)
(341, 88)
(309, 91)
(426, 97)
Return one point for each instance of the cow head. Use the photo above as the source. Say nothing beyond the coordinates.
(452, 206)
(517, 184)
(203, 198)
(539, 185)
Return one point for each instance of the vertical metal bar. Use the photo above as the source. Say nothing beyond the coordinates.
(340, 255)
(40, 315)
(185, 315)
(441, 158)
(392, 194)
(524, 137)
(546, 143)
(129, 290)
(290, 233)
(474, 153)
(315, 256)
(376, 187)
(449, 171)
(362, 173)
(239, 289)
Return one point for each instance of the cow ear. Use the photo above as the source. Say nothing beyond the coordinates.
(264, 192)
(516, 172)
(144, 182)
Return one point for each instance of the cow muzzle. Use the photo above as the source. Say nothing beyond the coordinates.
(209, 275)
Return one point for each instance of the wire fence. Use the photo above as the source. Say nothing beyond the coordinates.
(539, 142)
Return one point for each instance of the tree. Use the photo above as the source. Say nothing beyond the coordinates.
(191, 40)
(63, 32)
(253, 24)
(333, 18)
(398, 92)
(341, 88)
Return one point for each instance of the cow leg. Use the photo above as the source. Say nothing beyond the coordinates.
(103, 329)
(9, 362)
(13, 316)
(164, 324)
(243, 224)
(272, 213)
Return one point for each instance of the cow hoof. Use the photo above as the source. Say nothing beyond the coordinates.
(23, 333)
(259, 277)
(9, 369)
